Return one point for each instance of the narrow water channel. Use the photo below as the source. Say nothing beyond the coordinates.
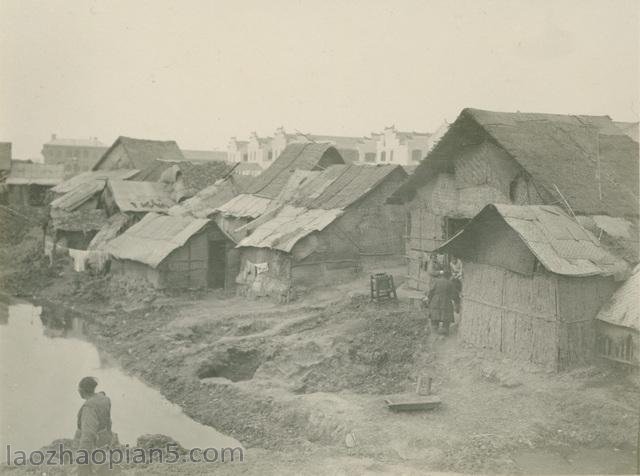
(40, 366)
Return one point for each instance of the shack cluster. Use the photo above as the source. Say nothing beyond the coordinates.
(542, 210)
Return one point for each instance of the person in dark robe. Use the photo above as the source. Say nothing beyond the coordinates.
(93, 424)
(441, 300)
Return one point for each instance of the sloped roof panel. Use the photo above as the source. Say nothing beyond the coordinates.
(84, 177)
(622, 309)
(560, 244)
(296, 156)
(133, 196)
(245, 206)
(79, 195)
(289, 226)
(154, 237)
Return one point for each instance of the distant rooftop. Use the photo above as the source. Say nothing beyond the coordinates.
(90, 142)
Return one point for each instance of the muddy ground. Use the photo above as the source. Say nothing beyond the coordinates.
(305, 383)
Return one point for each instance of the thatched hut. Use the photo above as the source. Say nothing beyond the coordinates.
(585, 164)
(534, 282)
(267, 186)
(141, 154)
(618, 324)
(172, 252)
(328, 228)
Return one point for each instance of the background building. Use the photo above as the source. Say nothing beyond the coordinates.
(77, 155)
(403, 148)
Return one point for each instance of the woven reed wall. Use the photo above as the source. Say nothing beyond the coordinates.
(511, 313)
(540, 318)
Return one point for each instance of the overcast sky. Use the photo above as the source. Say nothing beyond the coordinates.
(200, 72)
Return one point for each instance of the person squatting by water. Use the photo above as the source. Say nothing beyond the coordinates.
(93, 425)
(441, 300)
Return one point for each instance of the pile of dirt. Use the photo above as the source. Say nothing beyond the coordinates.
(378, 353)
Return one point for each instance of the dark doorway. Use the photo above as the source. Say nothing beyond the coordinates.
(454, 225)
(217, 264)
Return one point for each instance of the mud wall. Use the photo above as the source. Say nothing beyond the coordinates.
(264, 272)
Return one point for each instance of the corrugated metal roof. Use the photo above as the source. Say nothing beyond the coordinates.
(80, 194)
(556, 240)
(309, 202)
(287, 227)
(622, 309)
(35, 174)
(341, 185)
(245, 206)
(84, 177)
(131, 196)
(154, 237)
(207, 200)
(296, 156)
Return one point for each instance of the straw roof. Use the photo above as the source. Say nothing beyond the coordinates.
(579, 155)
(195, 175)
(26, 173)
(133, 196)
(78, 220)
(154, 237)
(622, 309)
(304, 156)
(114, 225)
(143, 152)
(559, 243)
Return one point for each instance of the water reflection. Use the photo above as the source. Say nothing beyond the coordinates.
(43, 356)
